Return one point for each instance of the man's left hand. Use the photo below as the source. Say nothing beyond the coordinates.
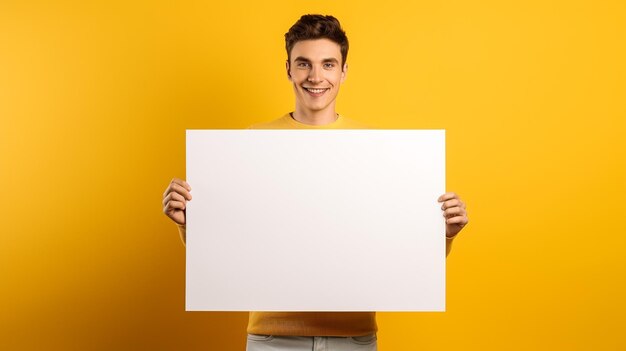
(454, 212)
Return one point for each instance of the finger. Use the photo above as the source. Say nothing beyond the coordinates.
(447, 196)
(179, 182)
(452, 203)
(172, 210)
(173, 196)
(454, 211)
(182, 183)
(181, 190)
(173, 205)
(461, 220)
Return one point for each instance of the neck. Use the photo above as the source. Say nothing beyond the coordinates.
(316, 118)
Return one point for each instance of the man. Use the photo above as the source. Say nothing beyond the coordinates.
(317, 49)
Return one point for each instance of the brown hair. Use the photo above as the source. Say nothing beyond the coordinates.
(317, 27)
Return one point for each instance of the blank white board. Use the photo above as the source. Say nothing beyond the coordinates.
(315, 220)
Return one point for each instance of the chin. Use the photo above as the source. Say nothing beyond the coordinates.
(317, 108)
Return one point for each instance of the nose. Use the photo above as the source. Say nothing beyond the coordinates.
(314, 75)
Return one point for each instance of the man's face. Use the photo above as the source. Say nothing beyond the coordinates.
(316, 73)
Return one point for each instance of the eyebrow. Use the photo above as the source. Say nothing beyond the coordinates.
(304, 59)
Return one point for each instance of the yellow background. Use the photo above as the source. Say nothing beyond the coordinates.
(95, 98)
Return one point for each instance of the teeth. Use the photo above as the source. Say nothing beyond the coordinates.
(315, 91)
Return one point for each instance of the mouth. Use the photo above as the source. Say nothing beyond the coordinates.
(316, 91)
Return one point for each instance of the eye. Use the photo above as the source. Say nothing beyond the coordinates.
(303, 65)
(329, 65)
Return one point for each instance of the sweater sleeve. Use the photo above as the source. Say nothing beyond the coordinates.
(449, 245)
(182, 230)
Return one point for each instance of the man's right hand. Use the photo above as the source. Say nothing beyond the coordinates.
(175, 200)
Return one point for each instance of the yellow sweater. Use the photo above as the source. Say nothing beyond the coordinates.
(311, 323)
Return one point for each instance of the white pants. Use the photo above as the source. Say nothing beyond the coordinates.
(311, 343)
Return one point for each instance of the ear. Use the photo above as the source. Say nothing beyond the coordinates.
(287, 68)
(344, 72)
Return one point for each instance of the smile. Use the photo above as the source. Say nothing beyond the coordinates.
(316, 91)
